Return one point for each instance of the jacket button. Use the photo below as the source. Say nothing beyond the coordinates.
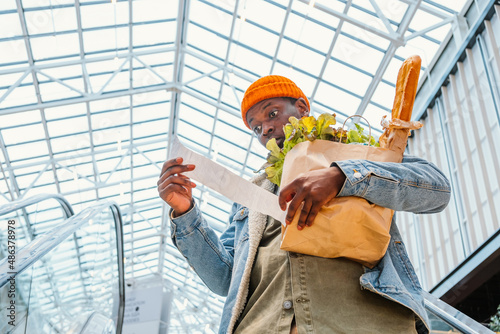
(287, 304)
(242, 212)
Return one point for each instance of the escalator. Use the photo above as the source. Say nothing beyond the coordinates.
(69, 278)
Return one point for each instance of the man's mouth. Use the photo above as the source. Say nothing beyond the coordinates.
(280, 142)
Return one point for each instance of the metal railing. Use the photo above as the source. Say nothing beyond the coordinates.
(36, 249)
(452, 316)
(23, 203)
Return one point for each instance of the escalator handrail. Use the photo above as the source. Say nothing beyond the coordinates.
(22, 203)
(452, 316)
(37, 248)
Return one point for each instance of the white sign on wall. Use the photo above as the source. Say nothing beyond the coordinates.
(143, 308)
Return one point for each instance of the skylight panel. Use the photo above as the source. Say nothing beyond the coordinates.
(310, 33)
(423, 19)
(67, 126)
(65, 111)
(263, 13)
(304, 80)
(10, 25)
(249, 61)
(105, 39)
(151, 112)
(22, 95)
(335, 5)
(367, 38)
(384, 94)
(301, 57)
(120, 115)
(109, 80)
(209, 16)
(152, 98)
(392, 10)
(22, 134)
(206, 41)
(150, 128)
(80, 198)
(55, 46)
(254, 162)
(337, 99)
(374, 114)
(38, 3)
(454, 5)
(145, 78)
(27, 151)
(155, 33)
(120, 175)
(196, 135)
(197, 117)
(17, 52)
(20, 118)
(346, 77)
(51, 21)
(61, 72)
(229, 97)
(440, 33)
(354, 52)
(50, 91)
(102, 14)
(258, 38)
(391, 73)
(151, 10)
(8, 5)
(419, 46)
(70, 144)
(230, 134)
(207, 86)
(47, 177)
(196, 68)
(366, 14)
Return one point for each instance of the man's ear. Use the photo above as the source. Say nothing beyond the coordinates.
(302, 107)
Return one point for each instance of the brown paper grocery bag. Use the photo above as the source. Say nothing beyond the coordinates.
(349, 227)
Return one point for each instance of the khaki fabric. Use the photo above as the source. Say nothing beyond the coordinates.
(323, 295)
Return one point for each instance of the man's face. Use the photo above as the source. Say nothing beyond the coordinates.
(267, 118)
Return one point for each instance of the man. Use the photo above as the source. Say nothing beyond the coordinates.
(273, 291)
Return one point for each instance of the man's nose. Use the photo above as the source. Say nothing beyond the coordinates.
(267, 129)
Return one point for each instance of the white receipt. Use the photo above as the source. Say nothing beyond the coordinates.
(225, 182)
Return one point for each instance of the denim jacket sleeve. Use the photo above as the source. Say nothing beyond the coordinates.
(211, 257)
(414, 185)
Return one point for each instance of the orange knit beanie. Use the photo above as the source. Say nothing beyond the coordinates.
(268, 87)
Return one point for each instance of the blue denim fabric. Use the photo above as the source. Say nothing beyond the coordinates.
(414, 185)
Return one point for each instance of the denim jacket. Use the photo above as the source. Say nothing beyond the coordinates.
(224, 263)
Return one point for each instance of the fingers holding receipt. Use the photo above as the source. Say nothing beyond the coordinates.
(225, 182)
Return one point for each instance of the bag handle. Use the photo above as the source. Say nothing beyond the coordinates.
(369, 128)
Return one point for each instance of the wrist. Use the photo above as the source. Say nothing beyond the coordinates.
(179, 212)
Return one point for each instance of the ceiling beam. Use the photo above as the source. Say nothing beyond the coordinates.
(180, 44)
(388, 56)
(392, 37)
(89, 98)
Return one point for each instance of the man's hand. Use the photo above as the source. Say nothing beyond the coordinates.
(175, 188)
(314, 189)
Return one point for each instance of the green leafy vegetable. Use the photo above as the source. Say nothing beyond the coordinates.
(309, 128)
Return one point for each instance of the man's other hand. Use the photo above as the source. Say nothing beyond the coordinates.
(314, 189)
(174, 187)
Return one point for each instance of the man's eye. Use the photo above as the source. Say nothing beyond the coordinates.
(257, 129)
(273, 113)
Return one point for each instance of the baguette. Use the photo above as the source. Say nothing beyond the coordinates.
(406, 88)
(397, 129)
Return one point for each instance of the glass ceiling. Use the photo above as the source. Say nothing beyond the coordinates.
(91, 92)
